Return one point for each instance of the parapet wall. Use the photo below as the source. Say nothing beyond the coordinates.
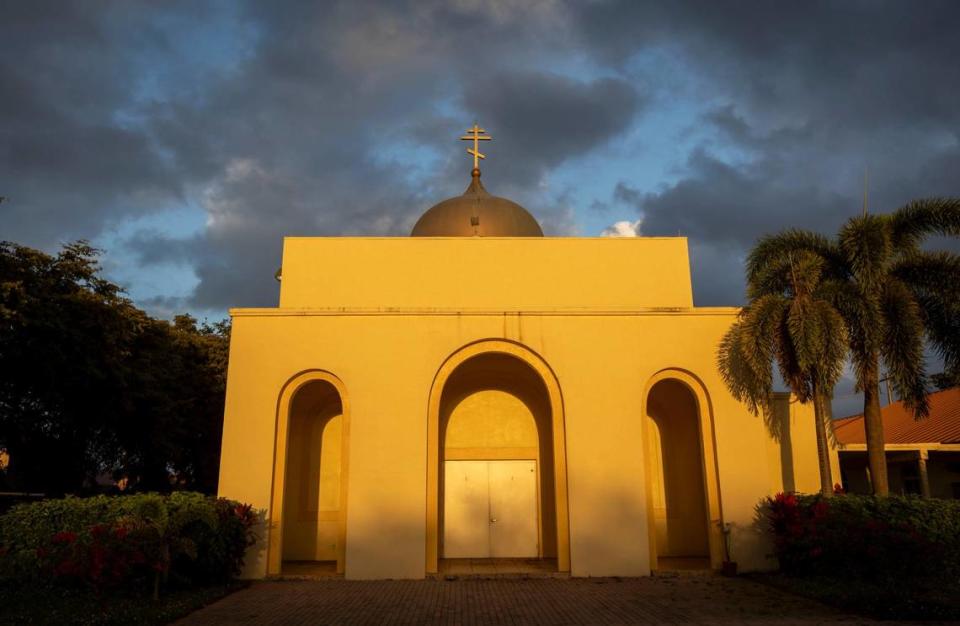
(506, 273)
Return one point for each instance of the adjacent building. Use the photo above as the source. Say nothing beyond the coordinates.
(923, 456)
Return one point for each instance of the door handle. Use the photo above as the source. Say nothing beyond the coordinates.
(493, 520)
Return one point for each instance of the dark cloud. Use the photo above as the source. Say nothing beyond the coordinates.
(543, 119)
(293, 143)
(304, 118)
(723, 209)
(862, 58)
(717, 273)
(164, 306)
(800, 100)
(722, 203)
(66, 163)
(600, 206)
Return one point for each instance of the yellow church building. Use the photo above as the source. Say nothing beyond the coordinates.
(478, 392)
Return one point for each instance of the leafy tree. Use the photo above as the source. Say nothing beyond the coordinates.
(894, 296)
(796, 326)
(172, 407)
(59, 359)
(89, 383)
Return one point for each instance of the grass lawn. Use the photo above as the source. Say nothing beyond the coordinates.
(911, 600)
(27, 605)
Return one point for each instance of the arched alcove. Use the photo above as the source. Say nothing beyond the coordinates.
(683, 494)
(496, 471)
(308, 516)
(497, 457)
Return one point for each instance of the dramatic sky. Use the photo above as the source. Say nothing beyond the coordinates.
(187, 138)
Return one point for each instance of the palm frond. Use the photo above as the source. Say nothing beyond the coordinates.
(771, 279)
(806, 271)
(774, 249)
(841, 294)
(832, 345)
(862, 321)
(866, 246)
(934, 280)
(941, 319)
(923, 217)
(761, 327)
(929, 272)
(746, 384)
(902, 346)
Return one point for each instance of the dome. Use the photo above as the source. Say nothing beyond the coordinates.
(476, 214)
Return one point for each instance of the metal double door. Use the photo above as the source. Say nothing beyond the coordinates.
(490, 509)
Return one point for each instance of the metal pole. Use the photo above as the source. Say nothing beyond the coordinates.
(886, 382)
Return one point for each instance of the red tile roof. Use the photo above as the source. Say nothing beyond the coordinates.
(943, 425)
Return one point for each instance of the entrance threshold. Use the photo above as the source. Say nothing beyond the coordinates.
(683, 566)
(506, 568)
(308, 569)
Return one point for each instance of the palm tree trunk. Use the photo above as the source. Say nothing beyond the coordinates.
(823, 446)
(873, 425)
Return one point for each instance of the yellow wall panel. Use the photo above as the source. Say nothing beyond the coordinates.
(384, 315)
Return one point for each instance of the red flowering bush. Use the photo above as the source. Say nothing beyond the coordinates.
(882, 539)
(106, 556)
(797, 530)
(126, 543)
(222, 556)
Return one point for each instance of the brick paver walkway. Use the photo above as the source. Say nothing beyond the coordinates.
(702, 600)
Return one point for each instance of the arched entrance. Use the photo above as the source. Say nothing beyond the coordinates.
(683, 499)
(308, 516)
(496, 470)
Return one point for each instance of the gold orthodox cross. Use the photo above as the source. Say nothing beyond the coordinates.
(476, 135)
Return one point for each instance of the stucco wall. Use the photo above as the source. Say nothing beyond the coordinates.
(470, 272)
(602, 356)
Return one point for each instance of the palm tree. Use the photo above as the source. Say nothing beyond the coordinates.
(894, 297)
(795, 325)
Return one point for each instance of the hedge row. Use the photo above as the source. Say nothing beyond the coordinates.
(134, 543)
(891, 540)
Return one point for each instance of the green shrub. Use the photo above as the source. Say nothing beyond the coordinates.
(894, 541)
(126, 543)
